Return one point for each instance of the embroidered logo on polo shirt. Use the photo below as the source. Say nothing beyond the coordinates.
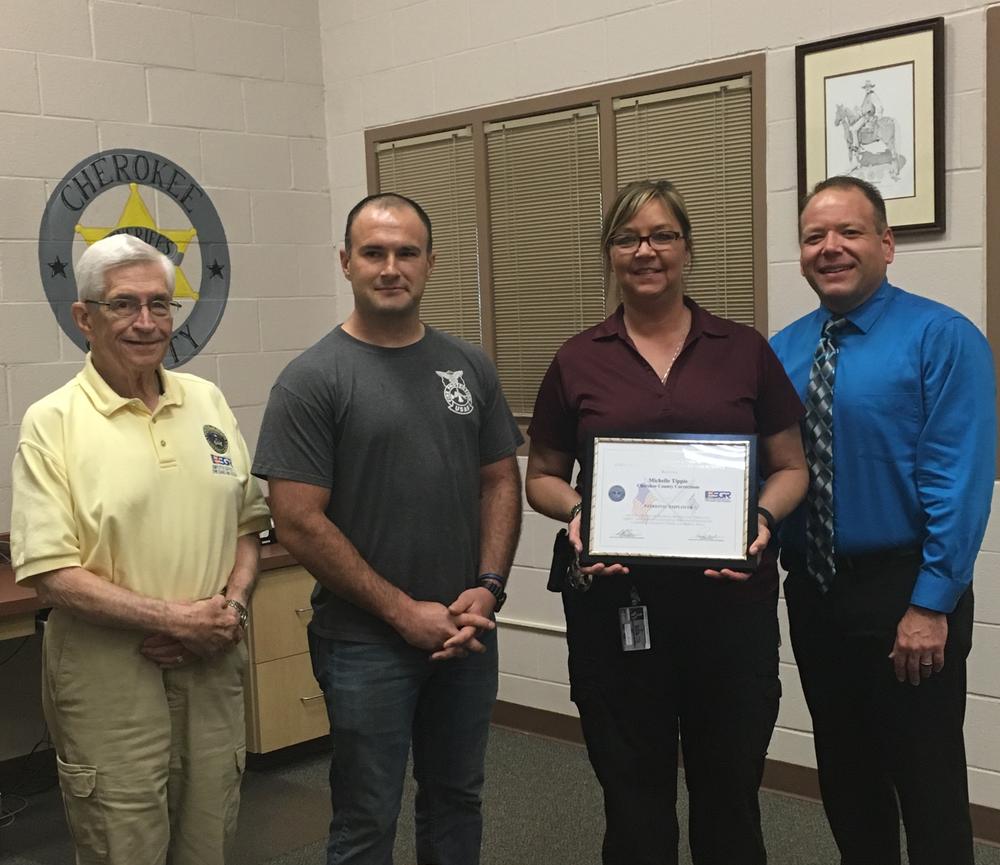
(216, 438)
(456, 394)
(222, 465)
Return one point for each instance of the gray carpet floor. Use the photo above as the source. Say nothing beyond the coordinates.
(542, 805)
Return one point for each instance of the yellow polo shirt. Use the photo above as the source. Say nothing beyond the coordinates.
(153, 502)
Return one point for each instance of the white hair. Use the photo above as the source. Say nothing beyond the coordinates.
(111, 252)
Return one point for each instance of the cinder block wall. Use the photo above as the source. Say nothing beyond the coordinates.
(390, 61)
(230, 90)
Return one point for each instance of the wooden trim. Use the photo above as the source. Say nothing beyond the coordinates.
(600, 96)
(702, 73)
(993, 191)
(756, 65)
(487, 313)
(609, 188)
(371, 160)
(787, 779)
(538, 722)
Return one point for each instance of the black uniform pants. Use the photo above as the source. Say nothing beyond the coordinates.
(879, 741)
(711, 676)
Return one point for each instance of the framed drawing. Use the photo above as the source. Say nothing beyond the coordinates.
(871, 105)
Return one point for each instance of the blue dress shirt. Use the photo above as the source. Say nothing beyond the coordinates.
(914, 435)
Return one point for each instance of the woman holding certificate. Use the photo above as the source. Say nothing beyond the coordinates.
(667, 650)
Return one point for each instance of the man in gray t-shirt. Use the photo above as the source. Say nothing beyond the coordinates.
(389, 450)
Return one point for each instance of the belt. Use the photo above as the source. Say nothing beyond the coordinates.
(876, 558)
(794, 561)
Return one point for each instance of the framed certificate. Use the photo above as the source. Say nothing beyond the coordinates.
(673, 499)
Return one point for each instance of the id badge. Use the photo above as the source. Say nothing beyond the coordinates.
(634, 623)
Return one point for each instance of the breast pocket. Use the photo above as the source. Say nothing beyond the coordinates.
(883, 425)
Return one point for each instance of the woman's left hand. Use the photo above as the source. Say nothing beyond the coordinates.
(756, 548)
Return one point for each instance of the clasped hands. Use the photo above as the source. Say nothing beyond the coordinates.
(452, 631)
(202, 629)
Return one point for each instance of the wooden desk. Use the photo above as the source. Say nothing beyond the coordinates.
(18, 605)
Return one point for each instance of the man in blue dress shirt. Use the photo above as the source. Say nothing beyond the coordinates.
(881, 638)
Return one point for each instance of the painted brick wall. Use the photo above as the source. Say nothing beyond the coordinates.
(396, 60)
(232, 91)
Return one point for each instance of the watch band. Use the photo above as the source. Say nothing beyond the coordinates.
(573, 511)
(241, 611)
(493, 585)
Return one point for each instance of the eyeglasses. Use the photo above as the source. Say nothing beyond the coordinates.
(130, 307)
(658, 240)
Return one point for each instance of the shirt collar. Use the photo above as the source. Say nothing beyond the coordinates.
(702, 322)
(107, 401)
(863, 317)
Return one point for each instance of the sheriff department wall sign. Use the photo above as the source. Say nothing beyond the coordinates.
(198, 247)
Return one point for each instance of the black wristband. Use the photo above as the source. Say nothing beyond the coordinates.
(768, 518)
(494, 584)
(493, 575)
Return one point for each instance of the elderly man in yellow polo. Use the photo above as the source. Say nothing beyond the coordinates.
(135, 517)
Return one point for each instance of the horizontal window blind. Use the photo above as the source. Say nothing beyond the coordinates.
(699, 138)
(437, 172)
(545, 225)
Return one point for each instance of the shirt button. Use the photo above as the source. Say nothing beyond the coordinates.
(163, 444)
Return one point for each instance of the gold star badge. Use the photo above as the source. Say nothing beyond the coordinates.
(137, 220)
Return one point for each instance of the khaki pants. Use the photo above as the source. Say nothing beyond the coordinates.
(149, 760)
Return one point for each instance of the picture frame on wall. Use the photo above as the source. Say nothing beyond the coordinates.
(871, 105)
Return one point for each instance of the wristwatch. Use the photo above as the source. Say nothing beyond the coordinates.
(242, 611)
(494, 584)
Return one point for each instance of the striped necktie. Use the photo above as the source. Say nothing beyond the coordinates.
(819, 455)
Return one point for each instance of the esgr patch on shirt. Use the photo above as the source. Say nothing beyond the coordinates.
(222, 465)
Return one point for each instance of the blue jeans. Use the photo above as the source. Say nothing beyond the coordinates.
(379, 697)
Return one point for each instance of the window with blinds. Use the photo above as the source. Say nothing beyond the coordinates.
(699, 138)
(544, 180)
(517, 204)
(437, 171)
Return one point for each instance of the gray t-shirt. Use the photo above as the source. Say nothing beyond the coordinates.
(398, 435)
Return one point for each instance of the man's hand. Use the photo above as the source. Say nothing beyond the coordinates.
(919, 649)
(758, 546)
(429, 625)
(573, 530)
(165, 651)
(208, 627)
(468, 611)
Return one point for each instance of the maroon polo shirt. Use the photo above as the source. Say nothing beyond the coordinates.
(725, 380)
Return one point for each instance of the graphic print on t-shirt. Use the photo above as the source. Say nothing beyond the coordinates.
(456, 394)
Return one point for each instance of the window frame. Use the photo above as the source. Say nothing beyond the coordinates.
(601, 96)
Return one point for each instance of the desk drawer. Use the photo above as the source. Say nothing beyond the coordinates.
(290, 707)
(280, 611)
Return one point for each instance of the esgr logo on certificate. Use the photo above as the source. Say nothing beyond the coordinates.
(718, 495)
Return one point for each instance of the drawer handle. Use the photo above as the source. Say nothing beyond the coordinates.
(310, 699)
(301, 610)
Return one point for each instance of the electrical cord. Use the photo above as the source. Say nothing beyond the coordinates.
(7, 817)
(17, 649)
